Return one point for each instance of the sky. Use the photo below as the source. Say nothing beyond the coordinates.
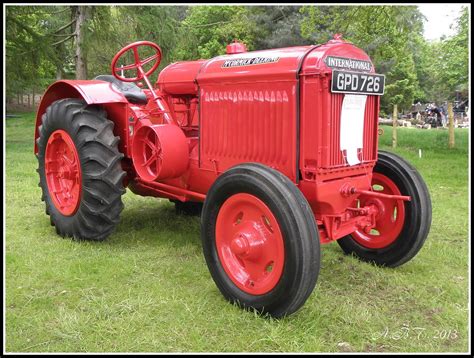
(439, 18)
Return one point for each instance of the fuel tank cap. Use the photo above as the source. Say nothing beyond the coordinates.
(337, 38)
(235, 47)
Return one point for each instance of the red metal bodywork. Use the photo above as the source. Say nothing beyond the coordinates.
(281, 113)
(93, 92)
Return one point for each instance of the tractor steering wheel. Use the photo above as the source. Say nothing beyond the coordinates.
(138, 64)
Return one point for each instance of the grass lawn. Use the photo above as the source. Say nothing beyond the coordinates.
(147, 287)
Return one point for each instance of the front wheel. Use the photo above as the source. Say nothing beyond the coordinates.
(260, 240)
(401, 226)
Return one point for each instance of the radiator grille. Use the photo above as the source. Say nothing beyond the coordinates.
(249, 126)
(334, 156)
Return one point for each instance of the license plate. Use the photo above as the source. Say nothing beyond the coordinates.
(357, 83)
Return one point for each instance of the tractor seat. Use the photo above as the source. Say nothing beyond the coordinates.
(130, 90)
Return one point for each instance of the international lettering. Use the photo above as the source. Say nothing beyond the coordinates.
(348, 63)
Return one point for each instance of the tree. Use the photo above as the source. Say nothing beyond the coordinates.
(33, 37)
(40, 35)
(277, 26)
(454, 57)
(442, 66)
(44, 43)
(386, 33)
(206, 31)
(80, 15)
(106, 33)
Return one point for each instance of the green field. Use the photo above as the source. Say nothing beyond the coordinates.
(147, 287)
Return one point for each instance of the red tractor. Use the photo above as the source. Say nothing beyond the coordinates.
(279, 145)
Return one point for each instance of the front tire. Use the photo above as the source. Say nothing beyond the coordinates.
(260, 240)
(80, 170)
(403, 226)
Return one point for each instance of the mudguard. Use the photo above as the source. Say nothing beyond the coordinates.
(93, 92)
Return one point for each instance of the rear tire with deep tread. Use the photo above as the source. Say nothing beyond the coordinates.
(100, 163)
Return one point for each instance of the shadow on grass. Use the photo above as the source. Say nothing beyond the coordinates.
(156, 224)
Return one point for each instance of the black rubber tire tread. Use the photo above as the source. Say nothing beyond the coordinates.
(418, 214)
(299, 230)
(100, 160)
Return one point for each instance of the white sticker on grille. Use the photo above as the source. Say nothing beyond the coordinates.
(352, 126)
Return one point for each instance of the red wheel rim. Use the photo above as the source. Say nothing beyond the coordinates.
(390, 217)
(63, 172)
(250, 244)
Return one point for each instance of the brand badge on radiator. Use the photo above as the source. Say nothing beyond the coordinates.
(348, 63)
(238, 62)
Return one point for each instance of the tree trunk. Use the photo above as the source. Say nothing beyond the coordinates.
(59, 73)
(395, 123)
(451, 125)
(80, 14)
(33, 98)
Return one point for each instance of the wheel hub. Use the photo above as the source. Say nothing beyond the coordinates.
(240, 245)
(389, 215)
(376, 207)
(248, 242)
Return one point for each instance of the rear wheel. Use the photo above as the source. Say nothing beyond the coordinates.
(80, 170)
(401, 226)
(260, 240)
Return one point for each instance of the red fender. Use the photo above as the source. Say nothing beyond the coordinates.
(93, 92)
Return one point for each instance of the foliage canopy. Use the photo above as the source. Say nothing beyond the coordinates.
(41, 41)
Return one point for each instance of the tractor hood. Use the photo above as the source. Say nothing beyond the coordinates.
(266, 65)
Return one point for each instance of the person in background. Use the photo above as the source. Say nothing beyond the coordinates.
(444, 113)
